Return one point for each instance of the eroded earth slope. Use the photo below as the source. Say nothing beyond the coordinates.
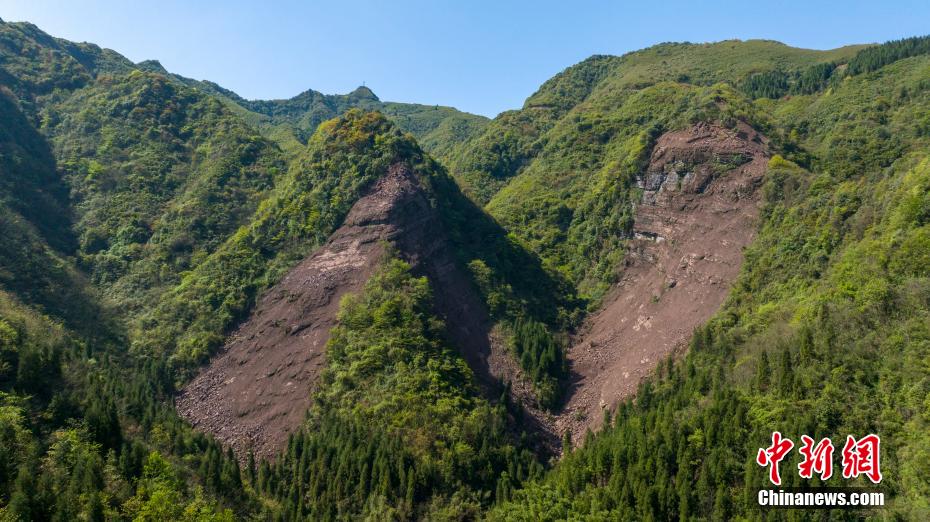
(698, 211)
(256, 391)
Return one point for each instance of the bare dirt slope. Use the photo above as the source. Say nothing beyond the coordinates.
(256, 391)
(698, 212)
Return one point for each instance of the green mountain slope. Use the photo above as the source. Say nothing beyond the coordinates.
(36, 64)
(31, 186)
(35, 222)
(399, 412)
(159, 175)
(558, 172)
(514, 139)
(825, 332)
(162, 168)
(72, 405)
(155, 175)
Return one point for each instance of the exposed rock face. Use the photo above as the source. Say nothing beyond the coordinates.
(698, 212)
(257, 390)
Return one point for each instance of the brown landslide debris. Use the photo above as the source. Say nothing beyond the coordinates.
(698, 212)
(257, 390)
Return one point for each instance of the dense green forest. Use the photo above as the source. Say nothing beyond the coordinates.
(143, 214)
(397, 421)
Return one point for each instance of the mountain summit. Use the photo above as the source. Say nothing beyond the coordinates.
(363, 93)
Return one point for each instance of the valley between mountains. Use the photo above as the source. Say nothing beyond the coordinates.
(597, 306)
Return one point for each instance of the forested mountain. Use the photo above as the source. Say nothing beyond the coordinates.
(146, 215)
(336, 308)
(821, 334)
(291, 122)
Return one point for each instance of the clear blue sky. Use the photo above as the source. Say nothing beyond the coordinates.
(479, 56)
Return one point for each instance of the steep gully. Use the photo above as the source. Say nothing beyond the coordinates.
(698, 211)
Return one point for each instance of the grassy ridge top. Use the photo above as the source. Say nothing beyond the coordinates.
(699, 64)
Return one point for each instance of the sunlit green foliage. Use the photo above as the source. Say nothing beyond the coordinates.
(78, 416)
(75, 426)
(559, 173)
(825, 329)
(512, 141)
(159, 174)
(35, 225)
(437, 129)
(342, 159)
